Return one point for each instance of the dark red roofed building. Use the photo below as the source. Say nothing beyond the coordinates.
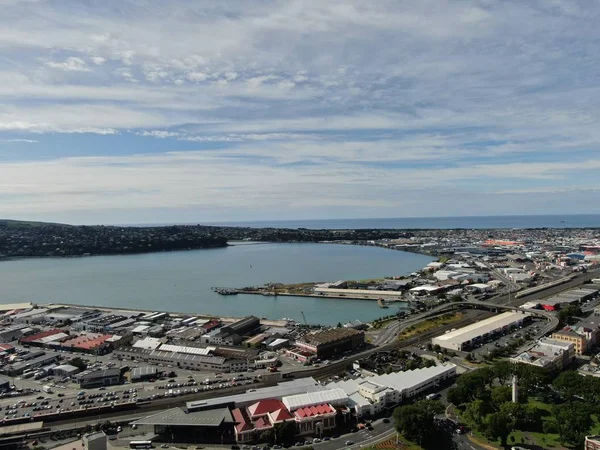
(259, 417)
(45, 337)
(6, 348)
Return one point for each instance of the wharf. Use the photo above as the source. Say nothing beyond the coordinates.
(375, 297)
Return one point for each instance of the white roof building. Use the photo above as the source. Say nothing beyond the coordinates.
(381, 391)
(334, 397)
(190, 350)
(148, 343)
(463, 337)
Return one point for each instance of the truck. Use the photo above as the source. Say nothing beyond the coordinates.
(47, 389)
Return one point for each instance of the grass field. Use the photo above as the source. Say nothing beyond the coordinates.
(430, 324)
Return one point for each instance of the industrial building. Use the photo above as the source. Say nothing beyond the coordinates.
(144, 373)
(549, 354)
(183, 360)
(570, 297)
(98, 378)
(327, 343)
(4, 385)
(66, 370)
(464, 338)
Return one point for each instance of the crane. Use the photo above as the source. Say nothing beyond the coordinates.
(304, 317)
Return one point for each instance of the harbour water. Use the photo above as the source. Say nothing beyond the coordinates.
(181, 281)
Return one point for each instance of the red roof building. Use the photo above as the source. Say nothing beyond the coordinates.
(87, 342)
(264, 407)
(311, 411)
(40, 336)
(6, 348)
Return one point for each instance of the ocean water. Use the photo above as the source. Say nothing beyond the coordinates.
(475, 222)
(182, 281)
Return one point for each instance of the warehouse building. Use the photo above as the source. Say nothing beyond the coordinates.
(66, 370)
(464, 338)
(98, 378)
(144, 373)
(328, 343)
(183, 360)
(4, 385)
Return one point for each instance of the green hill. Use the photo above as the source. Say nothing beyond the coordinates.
(8, 223)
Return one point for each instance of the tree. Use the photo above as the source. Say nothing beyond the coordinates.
(416, 421)
(267, 436)
(284, 432)
(569, 313)
(79, 363)
(475, 413)
(500, 395)
(499, 426)
(573, 422)
(339, 325)
(569, 384)
(503, 370)
(428, 362)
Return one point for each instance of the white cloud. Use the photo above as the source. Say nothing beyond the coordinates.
(71, 64)
(98, 60)
(197, 76)
(432, 91)
(18, 141)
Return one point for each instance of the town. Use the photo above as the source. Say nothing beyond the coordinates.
(502, 328)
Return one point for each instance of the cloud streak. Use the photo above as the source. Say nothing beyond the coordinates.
(337, 106)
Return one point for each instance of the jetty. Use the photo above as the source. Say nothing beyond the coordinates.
(224, 291)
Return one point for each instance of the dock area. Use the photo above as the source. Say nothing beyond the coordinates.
(374, 296)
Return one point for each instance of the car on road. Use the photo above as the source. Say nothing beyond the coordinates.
(349, 442)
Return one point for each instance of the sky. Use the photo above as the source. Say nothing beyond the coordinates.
(134, 111)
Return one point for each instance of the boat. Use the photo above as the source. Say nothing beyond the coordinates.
(381, 303)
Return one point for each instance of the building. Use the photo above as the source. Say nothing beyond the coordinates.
(312, 408)
(183, 360)
(66, 370)
(44, 338)
(583, 335)
(208, 425)
(4, 385)
(464, 338)
(370, 395)
(88, 343)
(94, 441)
(66, 316)
(328, 343)
(245, 326)
(592, 443)
(31, 364)
(31, 317)
(548, 354)
(12, 333)
(99, 377)
(144, 373)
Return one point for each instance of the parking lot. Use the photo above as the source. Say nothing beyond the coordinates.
(493, 343)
